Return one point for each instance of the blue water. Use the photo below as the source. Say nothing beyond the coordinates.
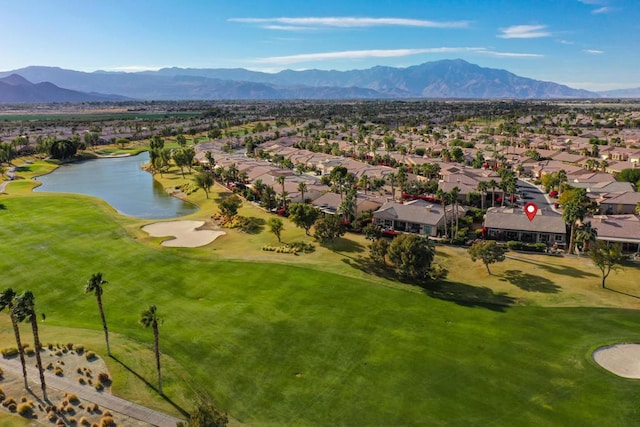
(121, 183)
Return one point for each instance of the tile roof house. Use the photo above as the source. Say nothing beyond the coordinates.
(502, 223)
(416, 216)
(623, 229)
(622, 203)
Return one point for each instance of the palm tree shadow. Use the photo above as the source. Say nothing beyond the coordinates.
(148, 384)
(555, 269)
(530, 282)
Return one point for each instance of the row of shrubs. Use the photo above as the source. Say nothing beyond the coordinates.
(531, 247)
(291, 248)
(281, 249)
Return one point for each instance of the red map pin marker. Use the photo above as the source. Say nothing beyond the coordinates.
(531, 209)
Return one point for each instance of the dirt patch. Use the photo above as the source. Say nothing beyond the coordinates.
(65, 406)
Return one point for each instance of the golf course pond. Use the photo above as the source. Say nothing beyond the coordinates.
(121, 182)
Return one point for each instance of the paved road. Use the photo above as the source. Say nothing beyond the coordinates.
(530, 193)
(87, 393)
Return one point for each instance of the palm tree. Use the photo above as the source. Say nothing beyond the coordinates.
(364, 182)
(149, 317)
(561, 176)
(483, 186)
(493, 184)
(391, 178)
(8, 300)
(280, 180)
(573, 212)
(586, 234)
(94, 284)
(453, 194)
(26, 311)
(302, 187)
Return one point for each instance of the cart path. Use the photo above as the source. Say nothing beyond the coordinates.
(104, 400)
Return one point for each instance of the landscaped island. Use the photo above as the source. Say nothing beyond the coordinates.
(338, 334)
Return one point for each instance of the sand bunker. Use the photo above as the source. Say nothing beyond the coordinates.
(185, 233)
(621, 359)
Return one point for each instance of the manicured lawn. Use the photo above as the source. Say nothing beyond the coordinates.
(311, 344)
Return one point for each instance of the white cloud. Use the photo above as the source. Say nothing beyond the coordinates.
(603, 9)
(287, 28)
(593, 51)
(385, 53)
(524, 32)
(510, 54)
(349, 22)
(566, 42)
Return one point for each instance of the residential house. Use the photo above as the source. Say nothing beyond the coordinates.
(506, 223)
(621, 203)
(624, 229)
(416, 216)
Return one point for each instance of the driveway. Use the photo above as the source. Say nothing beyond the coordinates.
(530, 193)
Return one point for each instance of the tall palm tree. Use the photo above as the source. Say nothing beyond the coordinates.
(26, 311)
(493, 184)
(302, 187)
(391, 179)
(8, 300)
(94, 285)
(280, 180)
(586, 234)
(561, 176)
(149, 318)
(572, 213)
(483, 186)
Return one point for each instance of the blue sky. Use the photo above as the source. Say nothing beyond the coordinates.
(590, 44)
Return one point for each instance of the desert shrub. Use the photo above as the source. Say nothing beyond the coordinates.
(49, 367)
(73, 421)
(70, 346)
(99, 387)
(25, 409)
(50, 346)
(2, 395)
(12, 406)
(79, 370)
(52, 416)
(58, 353)
(107, 421)
(1, 373)
(103, 377)
(90, 355)
(79, 349)
(303, 247)
(60, 423)
(23, 399)
(8, 401)
(84, 421)
(107, 414)
(58, 371)
(9, 352)
(514, 245)
(73, 399)
(81, 381)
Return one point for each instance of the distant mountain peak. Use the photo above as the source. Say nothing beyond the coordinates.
(15, 80)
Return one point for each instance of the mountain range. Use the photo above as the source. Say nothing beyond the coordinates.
(440, 79)
(16, 89)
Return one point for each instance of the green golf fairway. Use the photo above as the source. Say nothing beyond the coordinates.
(276, 344)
